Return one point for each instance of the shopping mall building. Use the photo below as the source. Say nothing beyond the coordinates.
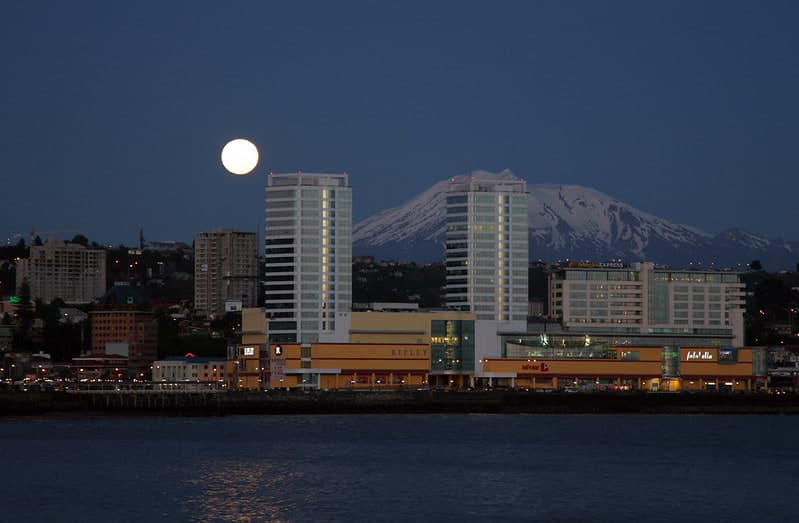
(610, 328)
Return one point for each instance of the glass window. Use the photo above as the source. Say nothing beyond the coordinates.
(456, 199)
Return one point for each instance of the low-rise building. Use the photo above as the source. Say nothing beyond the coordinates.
(122, 324)
(250, 358)
(191, 368)
(99, 368)
(349, 365)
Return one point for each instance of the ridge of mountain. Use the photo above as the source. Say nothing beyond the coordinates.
(571, 222)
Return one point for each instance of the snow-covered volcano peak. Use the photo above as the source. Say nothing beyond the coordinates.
(566, 221)
(563, 214)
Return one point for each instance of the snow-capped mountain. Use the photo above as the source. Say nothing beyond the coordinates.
(570, 222)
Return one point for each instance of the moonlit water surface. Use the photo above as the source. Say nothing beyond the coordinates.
(394, 468)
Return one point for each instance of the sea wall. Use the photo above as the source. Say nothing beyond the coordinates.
(393, 402)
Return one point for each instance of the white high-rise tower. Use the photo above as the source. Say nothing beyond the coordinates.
(487, 256)
(308, 257)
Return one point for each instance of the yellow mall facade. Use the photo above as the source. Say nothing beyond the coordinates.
(448, 349)
(653, 369)
(398, 365)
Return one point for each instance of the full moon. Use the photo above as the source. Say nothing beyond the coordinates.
(240, 156)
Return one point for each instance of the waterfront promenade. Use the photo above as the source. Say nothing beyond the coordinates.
(217, 403)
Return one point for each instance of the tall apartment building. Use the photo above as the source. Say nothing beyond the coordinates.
(487, 246)
(308, 257)
(646, 300)
(63, 270)
(225, 269)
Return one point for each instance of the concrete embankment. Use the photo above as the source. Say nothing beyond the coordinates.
(393, 402)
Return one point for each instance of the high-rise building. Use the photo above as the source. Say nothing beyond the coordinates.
(308, 257)
(63, 270)
(487, 243)
(225, 270)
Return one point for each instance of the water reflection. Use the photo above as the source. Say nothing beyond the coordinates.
(245, 491)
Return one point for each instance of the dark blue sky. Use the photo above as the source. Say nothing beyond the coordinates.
(112, 114)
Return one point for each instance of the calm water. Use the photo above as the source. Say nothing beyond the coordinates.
(394, 468)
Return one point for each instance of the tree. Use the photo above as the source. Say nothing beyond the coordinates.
(755, 265)
(8, 276)
(23, 335)
(80, 240)
(38, 241)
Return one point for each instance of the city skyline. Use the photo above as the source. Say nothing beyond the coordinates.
(115, 116)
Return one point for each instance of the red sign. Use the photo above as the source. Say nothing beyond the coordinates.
(536, 366)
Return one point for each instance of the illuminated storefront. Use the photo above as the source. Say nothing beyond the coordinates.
(652, 369)
(349, 365)
(452, 351)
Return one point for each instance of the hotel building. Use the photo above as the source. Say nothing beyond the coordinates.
(643, 300)
(308, 257)
(487, 247)
(63, 270)
(225, 270)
